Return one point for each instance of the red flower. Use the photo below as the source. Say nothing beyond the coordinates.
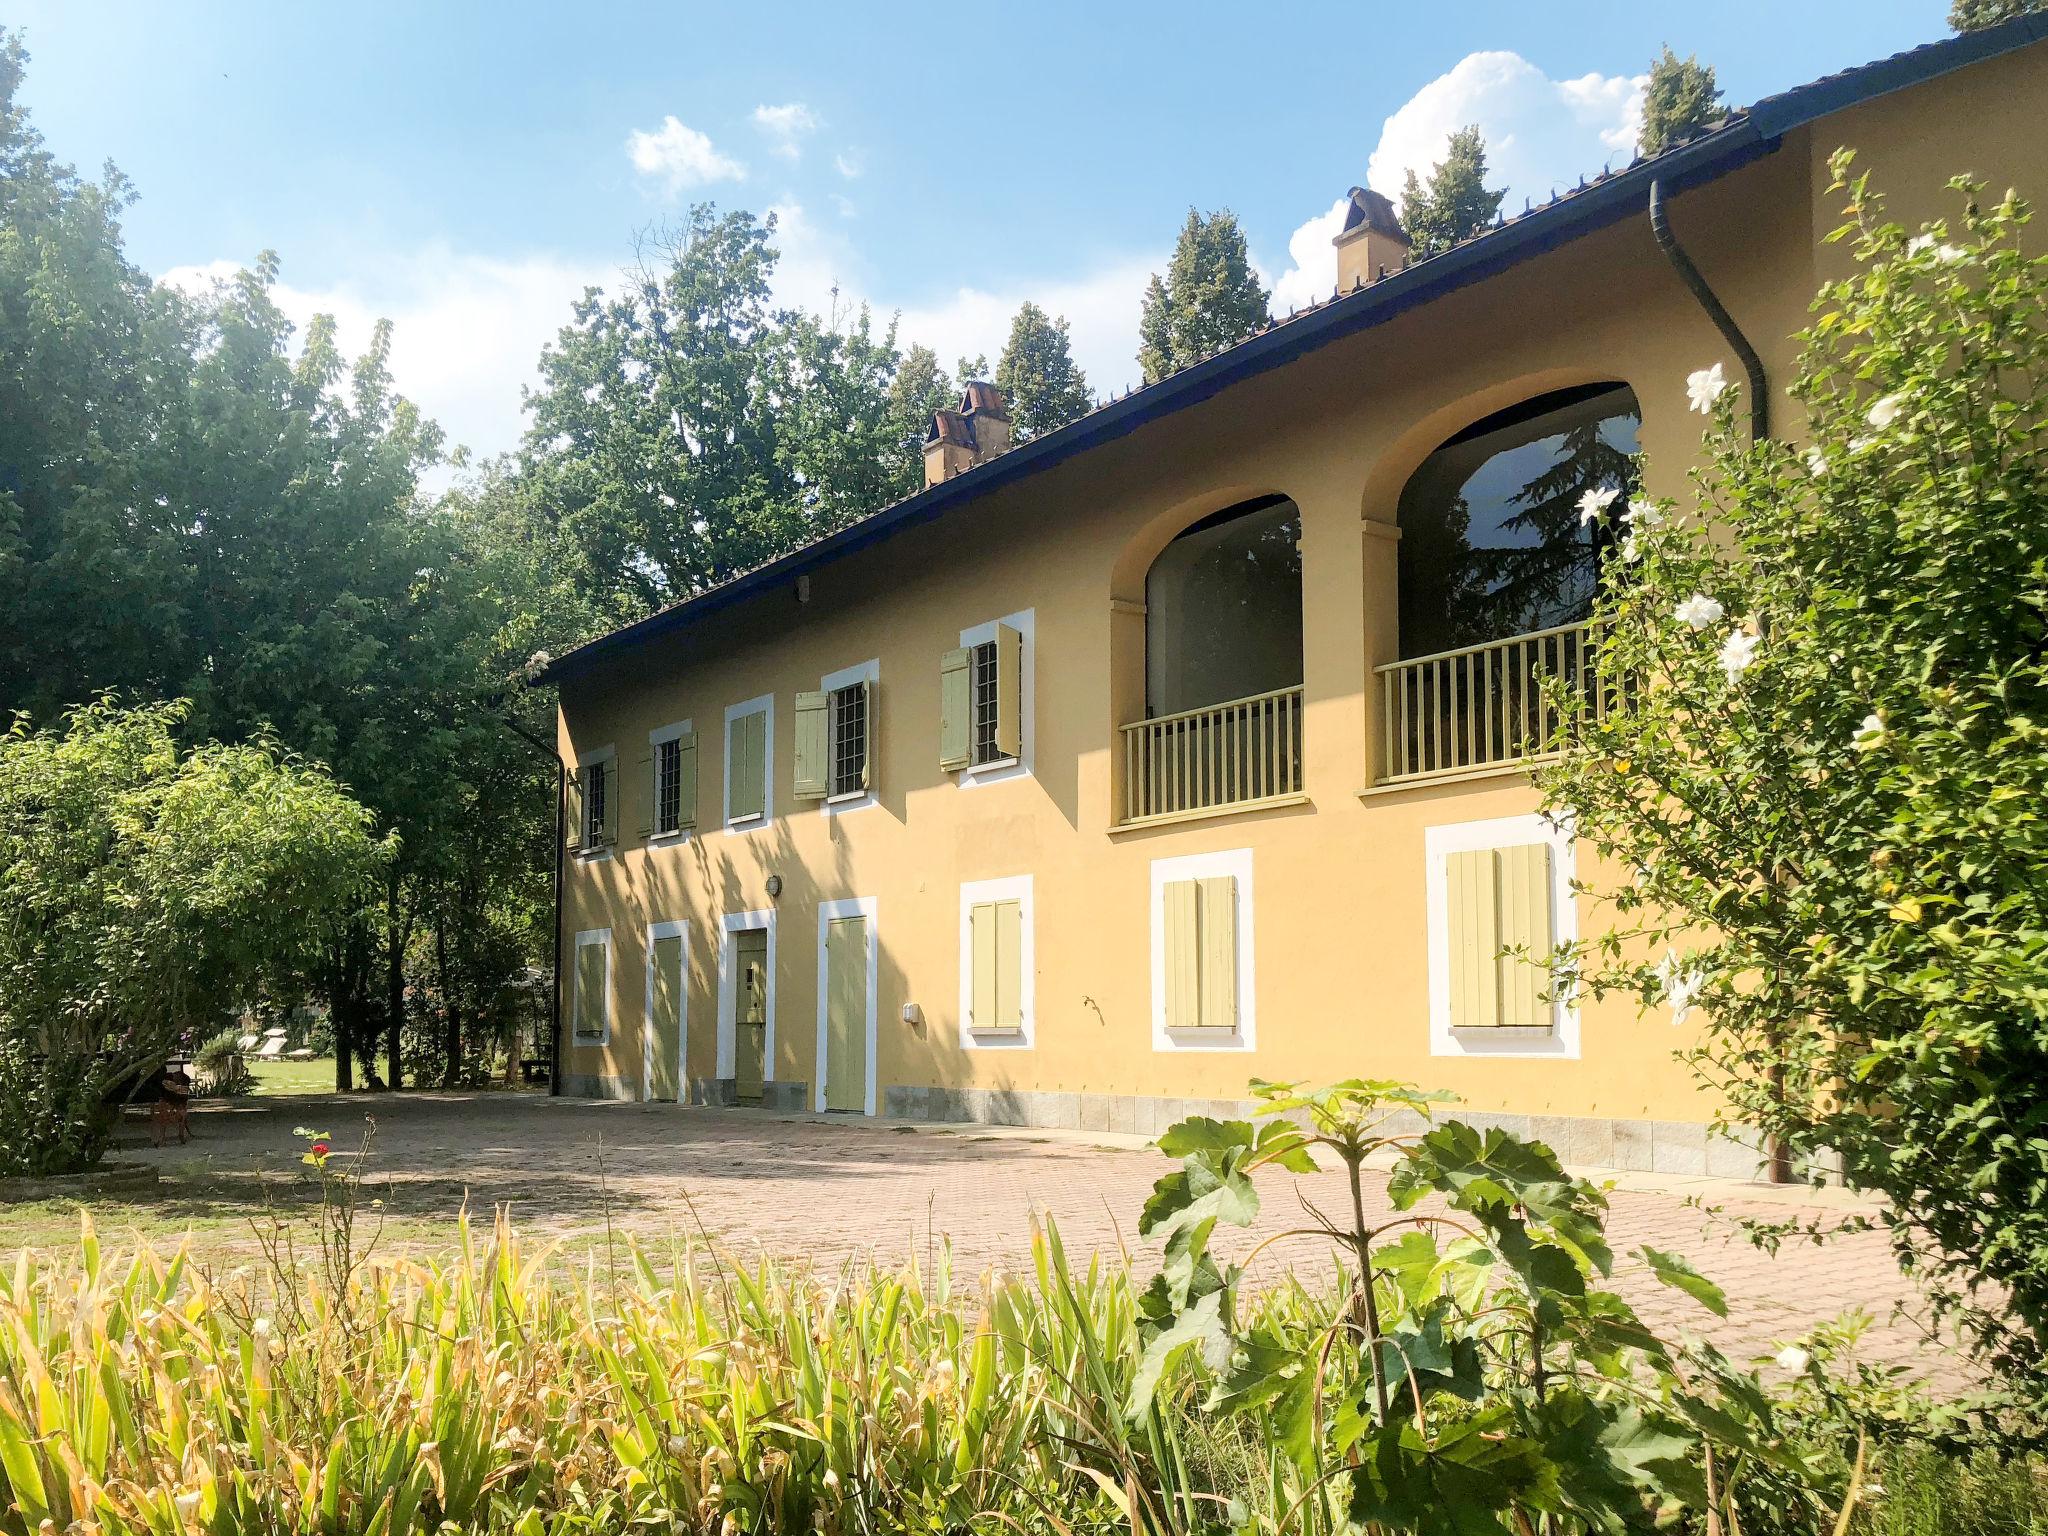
(320, 1148)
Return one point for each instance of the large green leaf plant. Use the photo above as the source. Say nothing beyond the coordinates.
(1470, 1370)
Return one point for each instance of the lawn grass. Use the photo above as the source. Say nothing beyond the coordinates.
(281, 1076)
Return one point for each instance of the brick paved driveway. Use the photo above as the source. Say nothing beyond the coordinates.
(829, 1191)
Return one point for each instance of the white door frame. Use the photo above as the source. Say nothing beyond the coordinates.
(828, 911)
(728, 993)
(679, 929)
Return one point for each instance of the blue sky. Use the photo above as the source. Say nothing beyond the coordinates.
(464, 169)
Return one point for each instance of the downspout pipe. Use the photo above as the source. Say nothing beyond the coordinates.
(1696, 285)
(1759, 429)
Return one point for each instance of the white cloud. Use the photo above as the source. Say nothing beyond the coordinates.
(1314, 271)
(1101, 306)
(680, 156)
(786, 127)
(467, 330)
(1541, 136)
(847, 163)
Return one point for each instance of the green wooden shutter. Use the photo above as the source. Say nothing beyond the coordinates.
(996, 943)
(986, 959)
(609, 832)
(870, 735)
(745, 766)
(1009, 965)
(813, 745)
(1009, 692)
(1523, 887)
(650, 778)
(1472, 922)
(572, 808)
(1180, 904)
(686, 782)
(956, 708)
(1217, 925)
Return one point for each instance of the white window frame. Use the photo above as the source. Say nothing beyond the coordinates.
(1025, 622)
(852, 906)
(1559, 1042)
(869, 672)
(655, 738)
(608, 755)
(592, 936)
(762, 704)
(1015, 888)
(680, 929)
(727, 1062)
(1236, 863)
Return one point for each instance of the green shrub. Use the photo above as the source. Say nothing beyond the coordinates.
(218, 1064)
(1824, 792)
(146, 885)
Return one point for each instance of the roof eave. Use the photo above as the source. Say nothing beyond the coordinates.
(1743, 138)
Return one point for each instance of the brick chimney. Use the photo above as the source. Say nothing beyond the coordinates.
(975, 433)
(1371, 244)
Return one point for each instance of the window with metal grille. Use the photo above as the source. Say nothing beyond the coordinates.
(849, 739)
(985, 749)
(668, 786)
(596, 778)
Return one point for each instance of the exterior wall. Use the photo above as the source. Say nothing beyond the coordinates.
(1340, 931)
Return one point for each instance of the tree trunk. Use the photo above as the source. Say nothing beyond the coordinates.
(397, 932)
(451, 1015)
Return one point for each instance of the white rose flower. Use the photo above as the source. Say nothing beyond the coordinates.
(1593, 503)
(1948, 255)
(1886, 411)
(1738, 651)
(1699, 611)
(1643, 514)
(1869, 736)
(1793, 1358)
(1816, 463)
(1681, 987)
(1703, 387)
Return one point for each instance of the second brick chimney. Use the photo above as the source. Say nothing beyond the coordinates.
(1372, 243)
(973, 434)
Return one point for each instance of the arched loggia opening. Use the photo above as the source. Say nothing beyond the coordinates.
(1498, 568)
(1223, 665)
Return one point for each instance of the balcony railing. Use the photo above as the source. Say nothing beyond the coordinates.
(1245, 752)
(1481, 706)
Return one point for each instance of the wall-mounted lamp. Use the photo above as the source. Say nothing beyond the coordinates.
(774, 886)
(803, 589)
(913, 1015)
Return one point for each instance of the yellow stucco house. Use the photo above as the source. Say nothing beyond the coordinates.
(1184, 744)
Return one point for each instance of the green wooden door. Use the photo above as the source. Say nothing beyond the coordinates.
(750, 1025)
(665, 1019)
(846, 1014)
